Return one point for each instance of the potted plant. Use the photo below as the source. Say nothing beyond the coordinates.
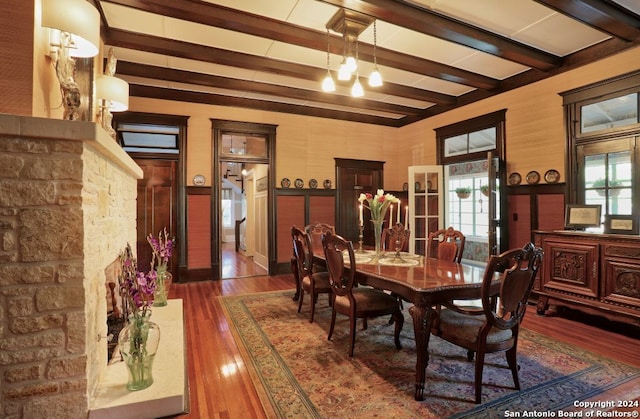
(484, 189)
(600, 184)
(463, 192)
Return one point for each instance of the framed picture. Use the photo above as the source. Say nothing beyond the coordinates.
(262, 184)
(582, 216)
(620, 224)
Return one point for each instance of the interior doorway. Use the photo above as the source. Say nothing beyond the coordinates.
(244, 220)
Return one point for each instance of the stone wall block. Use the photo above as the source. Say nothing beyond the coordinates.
(29, 356)
(67, 406)
(20, 306)
(9, 241)
(70, 147)
(59, 298)
(76, 332)
(63, 237)
(49, 339)
(66, 367)
(53, 169)
(10, 166)
(22, 145)
(14, 375)
(21, 193)
(70, 272)
(26, 274)
(20, 325)
(40, 389)
(69, 194)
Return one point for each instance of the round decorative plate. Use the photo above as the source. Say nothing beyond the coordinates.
(199, 180)
(533, 177)
(515, 178)
(299, 183)
(313, 183)
(405, 186)
(285, 182)
(552, 176)
(326, 184)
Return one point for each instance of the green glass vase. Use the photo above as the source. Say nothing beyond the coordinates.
(138, 342)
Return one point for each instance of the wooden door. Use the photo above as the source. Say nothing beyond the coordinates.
(354, 177)
(156, 208)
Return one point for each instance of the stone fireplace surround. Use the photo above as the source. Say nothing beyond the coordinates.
(67, 209)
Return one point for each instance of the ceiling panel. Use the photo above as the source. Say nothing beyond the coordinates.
(434, 55)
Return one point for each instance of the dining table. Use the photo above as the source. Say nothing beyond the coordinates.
(424, 282)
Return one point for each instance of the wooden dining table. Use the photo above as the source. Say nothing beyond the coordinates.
(426, 283)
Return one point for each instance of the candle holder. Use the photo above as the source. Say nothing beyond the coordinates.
(400, 235)
(360, 240)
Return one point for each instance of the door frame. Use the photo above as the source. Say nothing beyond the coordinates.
(219, 127)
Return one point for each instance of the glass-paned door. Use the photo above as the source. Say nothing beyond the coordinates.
(426, 209)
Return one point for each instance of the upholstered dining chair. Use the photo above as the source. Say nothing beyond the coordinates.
(313, 283)
(351, 300)
(391, 236)
(494, 327)
(446, 244)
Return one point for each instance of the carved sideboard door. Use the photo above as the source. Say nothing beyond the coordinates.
(622, 273)
(572, 267)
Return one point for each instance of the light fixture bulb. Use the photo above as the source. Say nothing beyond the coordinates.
(356, 90)
(328, 85)
(375, 79)
(344, 73)
(352, 65)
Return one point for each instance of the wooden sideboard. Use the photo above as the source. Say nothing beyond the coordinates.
(595, 273)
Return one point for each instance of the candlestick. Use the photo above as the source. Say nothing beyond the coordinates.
(406, 217)
(361, 219)
(398, 218)
(390, 214)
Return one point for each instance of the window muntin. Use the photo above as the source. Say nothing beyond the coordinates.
(470, 215)
(472, 142)
(608, 182)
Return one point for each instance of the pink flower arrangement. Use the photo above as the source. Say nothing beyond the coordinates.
(136, 288)
(162, 248)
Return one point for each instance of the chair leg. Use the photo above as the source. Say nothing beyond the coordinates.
(478, 382)
(314, 298)
(333, 323)
(300, 299)
(352, 330)
(398, 318)
(513, 365)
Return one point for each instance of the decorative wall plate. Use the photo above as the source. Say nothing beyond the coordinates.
(199, 180)
(515, 178)
(299, 183)
(533, 177)
(285, 182)
(405, 186)
(552, 176)
(326, 184)
(313, 183)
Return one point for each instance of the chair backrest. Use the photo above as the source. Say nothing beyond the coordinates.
(316, 231)
(390, 237)
(341, 280)
(446, 244)
(302, 251)
(505, 306)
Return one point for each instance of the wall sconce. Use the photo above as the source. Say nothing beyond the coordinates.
(74, 31)
(113, 96)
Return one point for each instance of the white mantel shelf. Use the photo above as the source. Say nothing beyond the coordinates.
(168, 395)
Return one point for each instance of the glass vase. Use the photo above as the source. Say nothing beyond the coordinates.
(138, 342)
(160, 294)
(377, 235)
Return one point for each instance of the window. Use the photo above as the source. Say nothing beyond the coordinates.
(469, 213)
(228, 220)
(145, 138)
(603, 145)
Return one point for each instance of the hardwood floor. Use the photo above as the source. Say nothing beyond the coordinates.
(220, 383)
(235, 265)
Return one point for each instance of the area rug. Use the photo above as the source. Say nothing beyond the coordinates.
(301, 374)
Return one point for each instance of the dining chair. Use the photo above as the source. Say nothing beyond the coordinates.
(351, 300)
(396, 236)
(446, 244)
(494, 327)
(316, 231)
(313, 283)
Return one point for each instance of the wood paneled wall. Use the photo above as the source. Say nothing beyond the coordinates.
(199, 230)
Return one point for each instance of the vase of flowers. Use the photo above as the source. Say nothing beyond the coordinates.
(162, 249)
(138, 340)
(378, 206)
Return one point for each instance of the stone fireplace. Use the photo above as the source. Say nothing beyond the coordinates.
(67, 209)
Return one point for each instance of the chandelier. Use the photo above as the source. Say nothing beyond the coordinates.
(350, 25)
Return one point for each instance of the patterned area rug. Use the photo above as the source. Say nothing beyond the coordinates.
(301, 374)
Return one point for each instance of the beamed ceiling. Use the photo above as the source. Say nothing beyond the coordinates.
(434, 55)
